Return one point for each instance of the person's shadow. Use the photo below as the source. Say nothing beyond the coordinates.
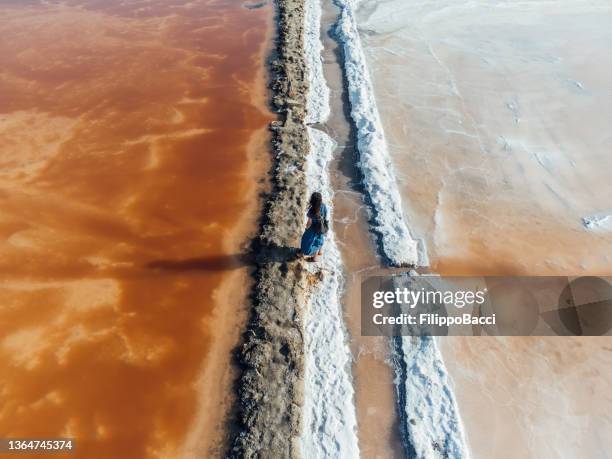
(210, 263)
(261, 256)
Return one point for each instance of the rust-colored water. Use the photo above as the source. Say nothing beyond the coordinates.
(128, 139)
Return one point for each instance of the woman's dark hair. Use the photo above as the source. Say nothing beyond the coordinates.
(315, 203)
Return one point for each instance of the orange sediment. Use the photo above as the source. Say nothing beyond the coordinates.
(129, 142)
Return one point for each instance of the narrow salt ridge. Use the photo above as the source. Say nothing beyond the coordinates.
(317, 104)
(330, 422)
(430, 423)
(398, 246)
(429, 417)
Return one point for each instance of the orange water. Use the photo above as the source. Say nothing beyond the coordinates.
(124, 135)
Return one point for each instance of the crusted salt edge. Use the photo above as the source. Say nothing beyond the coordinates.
(398, 246)
(330, 423)
(430, 421)
(317, 103)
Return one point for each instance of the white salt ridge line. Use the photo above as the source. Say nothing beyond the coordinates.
(330, 423)
(431, 427)
(428, 411)
(374, 161)
(317, 104)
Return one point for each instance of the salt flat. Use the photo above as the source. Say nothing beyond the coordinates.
(497, 117)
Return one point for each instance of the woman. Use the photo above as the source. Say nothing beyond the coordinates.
(313, 238)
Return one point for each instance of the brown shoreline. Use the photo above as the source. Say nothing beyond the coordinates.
(209, 431)
(270, 387)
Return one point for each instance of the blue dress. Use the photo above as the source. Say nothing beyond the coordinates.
(311, 240)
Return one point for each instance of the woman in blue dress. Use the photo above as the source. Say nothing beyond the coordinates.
(313, 238)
